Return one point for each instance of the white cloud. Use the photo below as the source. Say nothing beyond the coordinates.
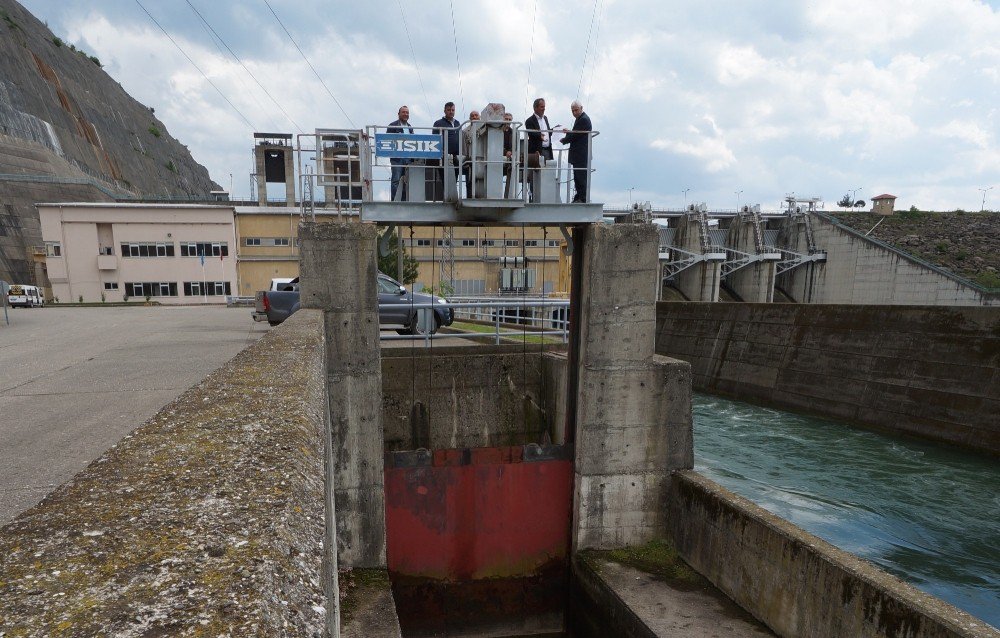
(816, 97)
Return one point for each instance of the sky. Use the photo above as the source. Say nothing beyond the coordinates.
(727, 103)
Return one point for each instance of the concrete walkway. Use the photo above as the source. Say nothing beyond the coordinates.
(74, 381)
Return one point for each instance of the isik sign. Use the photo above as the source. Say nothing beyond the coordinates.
(401, 145)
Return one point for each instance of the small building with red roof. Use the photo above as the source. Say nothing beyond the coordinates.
(883, 204)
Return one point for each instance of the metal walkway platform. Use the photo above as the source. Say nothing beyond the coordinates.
(480, 212)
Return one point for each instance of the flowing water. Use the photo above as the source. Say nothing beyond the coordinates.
(929, 514)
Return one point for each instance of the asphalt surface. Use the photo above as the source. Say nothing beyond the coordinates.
(74, 381)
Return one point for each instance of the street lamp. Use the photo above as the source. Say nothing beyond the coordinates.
(630, 189)
(854, 195)
(983, 207)
(686, 197)
(738, 193)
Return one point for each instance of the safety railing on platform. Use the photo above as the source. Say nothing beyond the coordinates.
(499, 314)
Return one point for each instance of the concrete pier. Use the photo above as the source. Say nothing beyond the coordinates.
(633, 418)
(339, 276)
(700, 282)
(754, 282)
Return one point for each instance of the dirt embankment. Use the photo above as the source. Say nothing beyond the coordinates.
(967, 244)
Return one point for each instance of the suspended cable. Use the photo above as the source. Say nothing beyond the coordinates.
(458, 64)
(413, 54)
(531, 54)
(586, 52)
(184, 53)
(597, 41)
(250, 73)
(328, 91)
(243, 84)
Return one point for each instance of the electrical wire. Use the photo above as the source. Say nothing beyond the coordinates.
(531, 54)
(413, 54)
(328, 91)
(593, 14)
(207, 79)
(250, 73)
(597, 41)
(458, 64)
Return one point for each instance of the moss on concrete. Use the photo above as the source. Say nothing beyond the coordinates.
(658, 558)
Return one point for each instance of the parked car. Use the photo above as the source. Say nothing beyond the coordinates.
(394, 301)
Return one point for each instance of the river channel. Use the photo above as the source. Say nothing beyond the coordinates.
(930, 514)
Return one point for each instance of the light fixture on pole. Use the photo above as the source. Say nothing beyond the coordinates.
(738, 193)
(983, 207)
(630, 189)
(854, 195)
(686, 197)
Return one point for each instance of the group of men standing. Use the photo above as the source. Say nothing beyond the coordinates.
(539, 142)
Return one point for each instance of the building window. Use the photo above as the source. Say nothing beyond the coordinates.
(267, 241)
(53, 249)
(206, 288)
(469, 242)
(442, 243)
(552, 243)
(489, 242)
(208, 249)
(511, 242)
(531, 243)
(147, 249)
(111, 285)
(420, 242)
(151, 288)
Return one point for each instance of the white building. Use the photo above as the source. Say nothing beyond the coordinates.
(172, 253)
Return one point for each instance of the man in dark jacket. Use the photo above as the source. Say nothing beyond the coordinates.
(579, 150)
(401, 125)
(539, 141)
(449, 126)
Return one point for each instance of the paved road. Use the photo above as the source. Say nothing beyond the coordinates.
(74, 381)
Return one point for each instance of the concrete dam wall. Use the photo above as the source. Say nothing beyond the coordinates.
(932, 372)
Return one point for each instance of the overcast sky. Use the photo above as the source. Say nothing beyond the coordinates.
(764, 97)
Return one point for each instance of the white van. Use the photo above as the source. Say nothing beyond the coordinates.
(25, 296)
(278, 283)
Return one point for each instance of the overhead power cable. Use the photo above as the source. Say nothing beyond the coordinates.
(597, 42)
(209, 80)
(413, 54)
(250, 73)
(531, 53)
(593, 14)
(458, 64)
(243, 85)
(329, 92)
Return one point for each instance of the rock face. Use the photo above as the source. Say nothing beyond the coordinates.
(967, 244)
(69, 132)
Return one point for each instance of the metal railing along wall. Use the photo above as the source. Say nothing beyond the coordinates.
(499, 313)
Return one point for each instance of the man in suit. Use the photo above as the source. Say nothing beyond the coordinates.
(401, 125)
(579, 150)
(541, 140)
(448, 126)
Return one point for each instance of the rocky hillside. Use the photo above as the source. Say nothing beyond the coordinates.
(967, 244)
(68, 129)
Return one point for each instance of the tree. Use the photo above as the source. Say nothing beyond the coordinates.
(845, 201)
(388, 263)
(859, 204)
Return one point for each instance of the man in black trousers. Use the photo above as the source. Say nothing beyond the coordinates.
(579, 150)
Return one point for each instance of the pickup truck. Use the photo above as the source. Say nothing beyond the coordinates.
(394, 300)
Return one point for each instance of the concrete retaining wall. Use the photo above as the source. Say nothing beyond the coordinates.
(928, 371)
(207, 520)
(794, 582)
(485, 396)
(860, 270)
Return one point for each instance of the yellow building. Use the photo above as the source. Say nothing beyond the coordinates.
(268, 248)
(268, 245)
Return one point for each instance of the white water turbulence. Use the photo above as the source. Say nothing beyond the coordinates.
(927, 513)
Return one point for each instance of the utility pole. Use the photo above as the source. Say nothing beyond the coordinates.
(983, 207)
(854, 195)
(738, 193)
(686, 198)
